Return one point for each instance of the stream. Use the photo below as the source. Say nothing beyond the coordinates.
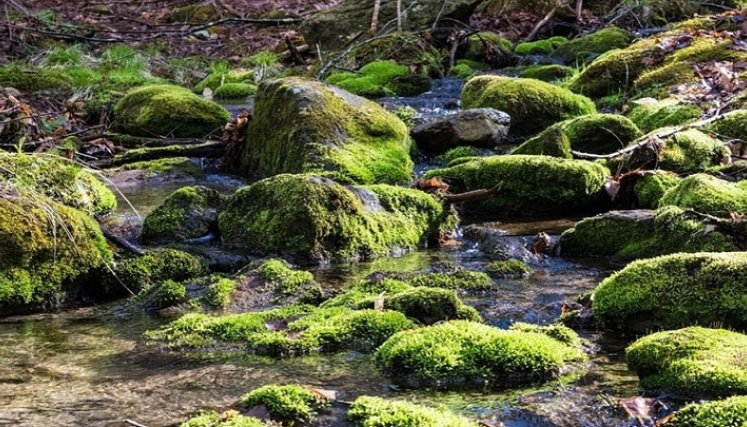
(91, 366)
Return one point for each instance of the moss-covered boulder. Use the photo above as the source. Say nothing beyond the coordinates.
(235, 91)
(285, 403)
(540, 47)
(382, 78)
(326, 131)
(226, 419)
(532, 185)
(691, 362)
(285, 279)
(165, 110)
(489, 48)
(188, 213)
(369, 411)
(656, 115)
(733, 126)
(547, 72)
(316, 218)
(674, 291)
(460, 353)
(649, 188)
(716, 413)
(588, 47)
(222, 76)
(155, 267)
(688, 151)
(31, 79)
(532, 104)
(708, 194)
(595, 134)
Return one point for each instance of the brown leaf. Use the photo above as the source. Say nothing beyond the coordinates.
(379, 302)
(326, 394)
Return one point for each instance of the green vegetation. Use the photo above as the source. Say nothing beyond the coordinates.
(368, 411)
(382, 78)
(719, 413)
(540, 46)
(508, 268)
(287, 403)
(188, 213)
(227, 419)
(283, 278)
(707, 194)
(586, 48)
(29, 78)
(235, 90)
(220, 292)
(458, 279)
(488, 47)
(403, 49)
(166, 294)
(691, 362)
(650, 187)
(688, 151)
(155, 267)
(732, 126)
(547, 73)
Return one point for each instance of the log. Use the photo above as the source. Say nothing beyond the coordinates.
(129, 141)
(211, 149)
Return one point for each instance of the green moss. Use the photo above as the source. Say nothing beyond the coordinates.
(264, 58)
(328, 132)
(167, 294)
(691, 362)
(365, 290)
(155, 267)
(235, 91)
(489, 47)
(508, 268)
(674, 291)
(407, 114)
(458, 153)
(319, 219)
(732, 126)
(402, 48)
(34, 78)
(707, 194)
(545, 46)
(227, 419)
(464, 71)
(532, 104)
(650, 188)
(719, 413)
(657, 82)
(283, 278)
(382, 78)
(182, 166)
(368, 411)
(60, 179)
(649, 117)
(547, 73)
(552, 142)
(160, 110)
(188, 213)
(288, 403)
(690, 151)
(426, 305)
(219, 293)
(586, 48)
(532, 185)
(458, 279)
(556, 331)
(460, 353)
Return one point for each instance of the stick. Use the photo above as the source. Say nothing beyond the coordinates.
(293, 51)
(473, 196)
(541, 24)
(120, 241)
(134, 423)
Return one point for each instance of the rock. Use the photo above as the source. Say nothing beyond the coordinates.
(235, 91)
(155, 267)
(512, 268)
(732, 126)
(166, 110)
(331, 28)
(496, 244)
(660, 114)
(317, 219)
(649, 188)
(326, 131)
(532, 104)
(532, 185)
(717, 413)
(540, 47)
(547, 73)
(692, 362)
(375, 411)
(458, 354)
(152, 172)
(674, 291)
(188, 213)
(479, 127)
(709, 195)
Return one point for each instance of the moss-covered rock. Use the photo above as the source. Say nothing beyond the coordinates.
(160, 110)
(226, 419)
(319, 219)
(155, 267)
(287, 403)
(382, 78)
(540, 47)
(588, 47)
(547, 73)
(409, 50)
(34, 78)
(451, 278)
(688, 151)
(651, 116)
(717, 413)
(222, 76)
(188, 213)
(650, 188)
(553, 142)
(284, 278)
(460, 353)
(732, 126)
(327, 131)
(674, 291)
(235, 91)
(489, 48)
(426, 305)
(508, 268)
(532, 104)
(532, 185)
(369, 411)
(708, 194)
(691, 362)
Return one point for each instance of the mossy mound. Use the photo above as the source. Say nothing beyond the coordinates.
(369, 411)
(287, 403)
(283, 278)
(235, 91)
(60, 179)
(688, 151)
(463, 354)
(327, 131)
(586, 48)
(708, 194)
(222, 76)
(161, 110)
(650, 188)
(717, 413)
(648, 13)
(403, 49)
(451, 278)
(732, 126)
(155, 267)
(188, 213)
(673, 291)
(691, 362)
(547, 73)
(226, 419)
(308, 330)
(508, 268)
(540, 47)
(318, 219)
(33, 79)
(532, 185)
(595, 134)
(489, 48)
(649, 117)
(167, 169)
(532, 104)
(47, 249)
(382, 78)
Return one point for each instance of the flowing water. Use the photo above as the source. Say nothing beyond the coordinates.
(91, 367)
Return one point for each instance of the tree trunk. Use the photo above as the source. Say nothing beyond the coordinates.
(375, 17)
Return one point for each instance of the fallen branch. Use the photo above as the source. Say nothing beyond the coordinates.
(472, 196)
(120, 241)
(211, 149)
(537, 28)
(129, 141)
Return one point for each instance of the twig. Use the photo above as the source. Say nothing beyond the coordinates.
(472, 196)
(541, 24)
(134, 423)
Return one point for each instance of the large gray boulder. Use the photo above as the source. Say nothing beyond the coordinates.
(479, 127)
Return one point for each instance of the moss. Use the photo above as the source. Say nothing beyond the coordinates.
(586, 48)
(176, 166)
(34, 78)
(458, 153)
(235, 91)
(674, 291)
(193, 13)
(316, 218)
(167, 294)
(718, 413)
(288, 403)
(657, 82)
(691, 362)
(382, 78)
(532, 185)
(688, 151)
(489, 48)
(460, 353)
(552, 142)
(402, 48)
(556, 331)
(649, 117)
(155, 267)
(464, 71)
(59, 179)
(540, 47)
(547, 73)
(368, 411)
(458, 279)
(509, 268)
(732, 126)
(46, 249)
(426, 305)
(227, 419)
(328, 132)
(283, 278)
(407, 114)
(532, 104)
(650, 188)
(219, 293)
(160, 110)
(188, 213)
(707, 194)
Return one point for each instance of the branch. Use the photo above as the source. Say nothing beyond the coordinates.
(541, 24)
(473, 196)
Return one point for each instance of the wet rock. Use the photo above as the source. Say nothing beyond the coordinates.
(188, 213)
(479, 127)
(496, 244)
